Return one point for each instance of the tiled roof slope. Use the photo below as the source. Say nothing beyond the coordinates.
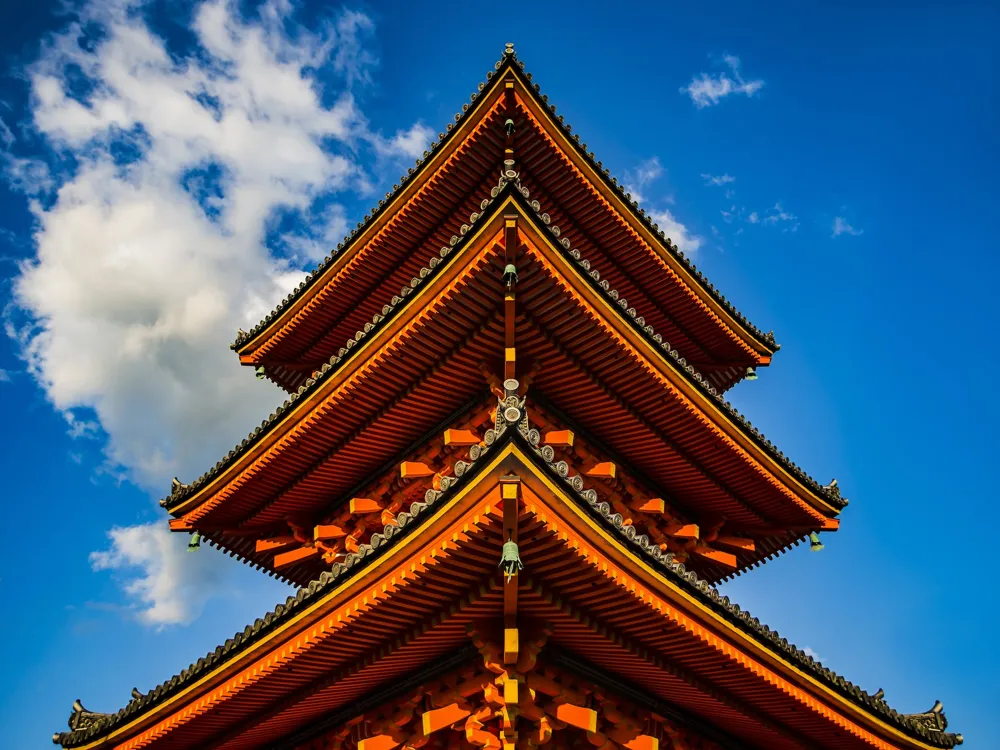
(928, 726)
(509, 59)
(180, 492)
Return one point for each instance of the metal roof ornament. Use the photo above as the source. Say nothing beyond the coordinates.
(510, 559)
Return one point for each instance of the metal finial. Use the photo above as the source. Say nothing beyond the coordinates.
(508, 48)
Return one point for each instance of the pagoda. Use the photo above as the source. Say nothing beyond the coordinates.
(505, 479)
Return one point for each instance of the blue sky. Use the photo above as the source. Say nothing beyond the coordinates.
(831, 168)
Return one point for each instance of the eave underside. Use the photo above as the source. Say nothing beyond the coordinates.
(300, 340)
(417, 597)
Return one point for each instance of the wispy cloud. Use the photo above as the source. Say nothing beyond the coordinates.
(707, 90)
(4, 376)
(686, 241)
(636, 180)
(199, 187)
(840, 226)
(722, 179)
(788, 221)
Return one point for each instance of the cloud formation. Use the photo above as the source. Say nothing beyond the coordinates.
(636, 182)
(718, 180)
(177, 199)
(840, 226)
(707, 90)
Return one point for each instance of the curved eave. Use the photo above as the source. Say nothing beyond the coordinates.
(701, 610)
(762, 347)
(670, 367)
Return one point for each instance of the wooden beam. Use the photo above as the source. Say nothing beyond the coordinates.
(415, 470)
(830, 524)
(378, 742)
(461, 438)
(577, 716)
(559, 438)
(361, 505)
(682, 530)
(442, 718)
(274, 543)
(328, 531)
(642, 742)
(717, 556)
(296, 555)
(736, 542)
(180, 524)
(652, 505)
(603, 470)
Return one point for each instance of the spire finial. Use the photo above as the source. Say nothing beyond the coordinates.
(508, 48)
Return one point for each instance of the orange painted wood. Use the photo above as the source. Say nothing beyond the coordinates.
(415, 470)
(736, 542)
(328, 531)
(441, 718)
(378, 742)
(460, 437)
(577, 716)
(653, 505)
(830, 524)
(682, 530)
(274, 543)
(718, 556)
(365, 505)
(180, 524)
(296, 555)
(603, 470)
(559, 438)
(643, 742)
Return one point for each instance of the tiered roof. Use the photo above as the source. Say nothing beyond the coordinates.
(383, 484)
(407, 597)
(431, 203)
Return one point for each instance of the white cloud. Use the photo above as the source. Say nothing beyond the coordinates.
(4, 376)
(161, 241)
(753, 218)
(410, 143)
(636, 182)
(840, 226)
(166, 585)
(722, 179)
(779, 216)
(687, 242)
(707, 90)
(809, 652)
(638, 179)
(6, 136)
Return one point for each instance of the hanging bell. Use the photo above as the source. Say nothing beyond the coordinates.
(510, 275)
(509, 126)
(510, 561)
(815, 544)
(195, 542)
(259, 372)
(751, 374)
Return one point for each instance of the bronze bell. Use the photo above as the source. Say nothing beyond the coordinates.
(814, 543)
(195, 542)
(510, 275)
(510, 560)
(259, 372)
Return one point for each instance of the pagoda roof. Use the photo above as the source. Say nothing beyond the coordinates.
(198, 686)
(279, 328)
(822, 501)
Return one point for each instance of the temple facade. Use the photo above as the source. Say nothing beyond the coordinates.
(506, 479)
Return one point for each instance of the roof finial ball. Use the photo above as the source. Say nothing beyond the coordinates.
(508, 48)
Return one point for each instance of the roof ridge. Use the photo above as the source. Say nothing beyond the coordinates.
(509, 59)
(918, 724)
